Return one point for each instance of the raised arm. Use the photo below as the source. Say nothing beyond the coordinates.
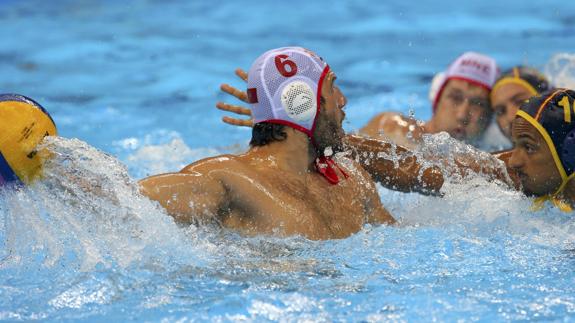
(189, 197)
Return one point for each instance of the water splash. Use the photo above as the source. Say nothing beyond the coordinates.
(450, 154)
(561, 70)
(87, 214)
(161, 152)
(88, 209)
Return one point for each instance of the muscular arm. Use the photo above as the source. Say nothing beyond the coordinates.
(399, 169)
(406, 174)
(187, 196)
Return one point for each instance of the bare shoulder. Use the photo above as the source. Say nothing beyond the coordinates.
(204, 171)
(211, 164)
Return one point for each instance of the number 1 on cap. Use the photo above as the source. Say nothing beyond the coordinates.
(564, 103)
(282, 62)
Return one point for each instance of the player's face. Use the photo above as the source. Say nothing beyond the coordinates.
(505, 101)
(329, 131)
(532, 159)
(463, 110)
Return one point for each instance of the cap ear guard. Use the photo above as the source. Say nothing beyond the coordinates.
(299, 101)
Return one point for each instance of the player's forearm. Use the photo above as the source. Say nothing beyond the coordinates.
(394, 166)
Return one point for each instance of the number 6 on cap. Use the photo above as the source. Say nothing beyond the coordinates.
(281, 62)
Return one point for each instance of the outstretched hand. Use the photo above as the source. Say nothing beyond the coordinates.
(237, 109)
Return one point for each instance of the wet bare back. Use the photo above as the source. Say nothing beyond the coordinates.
(251, 194)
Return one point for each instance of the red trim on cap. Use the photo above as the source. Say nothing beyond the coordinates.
(318, 98)
(461, 78)
(289, 124)
(474, 82)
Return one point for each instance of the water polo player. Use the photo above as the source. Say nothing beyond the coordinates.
(285, 183)
(543, 134)
(23, 123)
(514, 87)
(460, 105)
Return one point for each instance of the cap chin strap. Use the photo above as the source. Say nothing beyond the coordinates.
(553, 198)
(326, 167)
(558, 202)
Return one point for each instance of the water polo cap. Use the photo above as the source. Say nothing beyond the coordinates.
(553, 115)
(284, 87)
(472, 67)
(529, 78)
(23, 125)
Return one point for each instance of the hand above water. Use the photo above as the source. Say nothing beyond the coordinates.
(237, 109)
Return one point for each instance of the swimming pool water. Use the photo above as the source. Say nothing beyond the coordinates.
(139, 80)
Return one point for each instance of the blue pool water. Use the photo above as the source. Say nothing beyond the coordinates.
(138, 80)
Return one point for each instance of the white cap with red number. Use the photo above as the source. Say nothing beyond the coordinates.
(284, 87)
(472, 67)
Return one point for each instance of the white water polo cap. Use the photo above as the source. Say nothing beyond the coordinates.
(284, 87)
(472, 67)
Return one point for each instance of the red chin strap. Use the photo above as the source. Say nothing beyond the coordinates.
(326, 167)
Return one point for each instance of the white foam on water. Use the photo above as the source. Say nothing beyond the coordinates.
(88, 211)
(87, 204)
(476, 203)
(163, 152)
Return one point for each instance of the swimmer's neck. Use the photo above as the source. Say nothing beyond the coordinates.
(295, 154)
